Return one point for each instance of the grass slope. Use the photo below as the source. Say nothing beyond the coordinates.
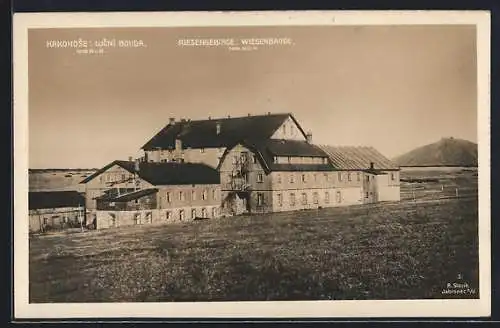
(390, 251)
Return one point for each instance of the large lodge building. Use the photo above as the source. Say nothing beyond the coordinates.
(229, 166)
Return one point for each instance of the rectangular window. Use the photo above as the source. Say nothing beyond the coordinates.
(393, 176)
(280, 200)
(339, 197)
(315, 177)
(326, 177)
(367, 178)
(243, 156)
(235, 159)
(366, 196)
(315, 198)
(289, 160)
(123, 177)
(259, 177)
(340, 176)
(203, 212)
(279, 178)
(260, 199)
(204, 195)
(358, 176)
(303, 178)
(193, 195)
(168, 197)
(169, 215)
(254, 159)
(202, 150)
(181, 195)
(214, 195)
(304, 198)
(292, 178)
(292, 199)
(193, 213)
(214, 212)
(348, 176)
(327, 197)
(181, 215)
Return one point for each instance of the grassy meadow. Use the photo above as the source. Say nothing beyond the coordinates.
(405, 250)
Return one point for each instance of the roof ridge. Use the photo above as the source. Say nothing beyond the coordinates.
(233, 117)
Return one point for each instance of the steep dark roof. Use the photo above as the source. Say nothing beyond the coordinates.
(54, 199)
(279, 147)
(203, 133)
(167, 173)
(300, 167)
(357, 158)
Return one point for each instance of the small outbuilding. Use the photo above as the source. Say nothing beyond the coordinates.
(55, 210)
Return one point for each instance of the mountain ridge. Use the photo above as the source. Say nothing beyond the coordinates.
(445, 152)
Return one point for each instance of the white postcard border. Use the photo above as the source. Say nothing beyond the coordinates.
(289, 309)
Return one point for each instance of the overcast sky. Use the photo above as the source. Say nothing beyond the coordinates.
(394, 88)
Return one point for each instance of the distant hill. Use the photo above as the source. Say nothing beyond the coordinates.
(445, 152)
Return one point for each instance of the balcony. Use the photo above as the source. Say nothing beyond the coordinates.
(237, 184)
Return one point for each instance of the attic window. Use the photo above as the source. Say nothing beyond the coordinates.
(254, 158)
(202, 150)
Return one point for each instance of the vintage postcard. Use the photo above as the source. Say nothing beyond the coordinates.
(252, 164)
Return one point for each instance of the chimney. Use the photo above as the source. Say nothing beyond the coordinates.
(171, 120)
(178, 144)
(183, 120)
(249, 115)
(209, 118)
(217, 126)
(309, 137)
(130, 158)
(268, 113)
(136, 165)
(372, 165)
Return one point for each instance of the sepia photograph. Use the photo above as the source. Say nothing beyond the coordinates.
(295, 161)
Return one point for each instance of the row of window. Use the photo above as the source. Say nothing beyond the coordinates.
(299, 160)
(304, 198)
(194, 195)
(114, 177)
(194, 213)
(304, 178)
